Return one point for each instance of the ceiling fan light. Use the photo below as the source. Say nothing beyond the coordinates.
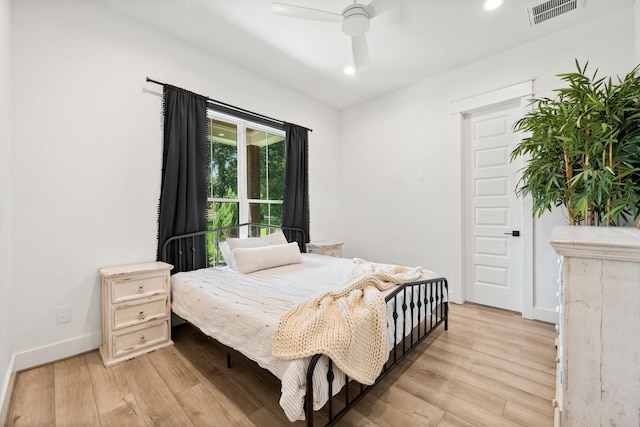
(492, 4)
(356, 21)
(355, 25)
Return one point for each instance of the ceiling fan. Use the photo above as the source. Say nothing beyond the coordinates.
(354, 18)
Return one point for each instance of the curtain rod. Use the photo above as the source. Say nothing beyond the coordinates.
(233, 107)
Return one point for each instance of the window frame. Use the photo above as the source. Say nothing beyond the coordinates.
(241, 179)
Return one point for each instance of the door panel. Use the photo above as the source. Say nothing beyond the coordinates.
(493, 257)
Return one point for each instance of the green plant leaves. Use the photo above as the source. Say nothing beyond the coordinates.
(582, 149)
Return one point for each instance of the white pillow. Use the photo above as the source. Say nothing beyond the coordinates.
(233, 243)
(227, 255)
(249, 242)
(275, 238)
(249, 260)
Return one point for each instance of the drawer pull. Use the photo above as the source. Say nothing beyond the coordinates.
(141, 316)
(142, 340)
(141, 289)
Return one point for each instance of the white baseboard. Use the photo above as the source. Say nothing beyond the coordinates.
(49, 353)
(545, 315)
(6, 390)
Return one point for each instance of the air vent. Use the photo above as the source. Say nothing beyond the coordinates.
(550, 9)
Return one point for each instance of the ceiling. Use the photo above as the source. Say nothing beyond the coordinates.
(414, 40)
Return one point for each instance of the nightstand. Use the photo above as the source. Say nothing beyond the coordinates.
(136, 308)
(325, 248)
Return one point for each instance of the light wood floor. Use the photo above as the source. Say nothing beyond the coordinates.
(491, 368)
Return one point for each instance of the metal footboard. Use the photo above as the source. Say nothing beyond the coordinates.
(425, 310)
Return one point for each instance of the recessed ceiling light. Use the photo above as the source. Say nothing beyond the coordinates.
(349, 71)
(492, 4)
(221, 134)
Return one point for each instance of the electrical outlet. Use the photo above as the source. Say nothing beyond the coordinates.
(63, 314)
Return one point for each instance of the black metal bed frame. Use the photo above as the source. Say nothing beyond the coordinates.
(435, 311)
(431, 306)
(180, 254)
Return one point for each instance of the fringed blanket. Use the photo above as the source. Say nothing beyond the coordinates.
(349, 326)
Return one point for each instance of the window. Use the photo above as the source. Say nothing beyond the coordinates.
(246, 171)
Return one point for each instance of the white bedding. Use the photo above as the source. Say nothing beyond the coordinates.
(242, 311)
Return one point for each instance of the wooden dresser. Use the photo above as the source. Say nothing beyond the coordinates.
(136, 307)
(599, 326)
(325, 248)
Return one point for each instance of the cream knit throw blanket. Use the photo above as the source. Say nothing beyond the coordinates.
(349, 326)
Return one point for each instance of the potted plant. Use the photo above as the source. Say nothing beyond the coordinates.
(582, 149)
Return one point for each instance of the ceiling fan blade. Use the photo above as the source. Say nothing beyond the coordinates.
(304, 12)
(376, 7)
(360, 51)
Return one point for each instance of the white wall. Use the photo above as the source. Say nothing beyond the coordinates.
(408, 133)
(6, 277)
(87, 157)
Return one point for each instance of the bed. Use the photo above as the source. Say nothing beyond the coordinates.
(244, 307)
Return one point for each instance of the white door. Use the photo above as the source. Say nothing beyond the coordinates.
(492, 213)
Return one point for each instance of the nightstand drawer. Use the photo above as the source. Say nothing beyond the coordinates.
(140, 338)
(138, 287)
(132, 314)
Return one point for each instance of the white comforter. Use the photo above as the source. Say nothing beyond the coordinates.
(243, 310)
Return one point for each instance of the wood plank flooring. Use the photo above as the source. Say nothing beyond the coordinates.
(491, 368)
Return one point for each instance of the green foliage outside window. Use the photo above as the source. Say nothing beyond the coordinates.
(275, 168)
(223, 171)
(264, 153)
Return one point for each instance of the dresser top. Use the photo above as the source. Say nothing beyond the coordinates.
(614, 243)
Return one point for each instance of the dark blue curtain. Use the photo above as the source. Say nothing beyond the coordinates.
(183, 195)
(295, 203)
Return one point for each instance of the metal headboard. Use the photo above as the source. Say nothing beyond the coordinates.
(199, 249)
